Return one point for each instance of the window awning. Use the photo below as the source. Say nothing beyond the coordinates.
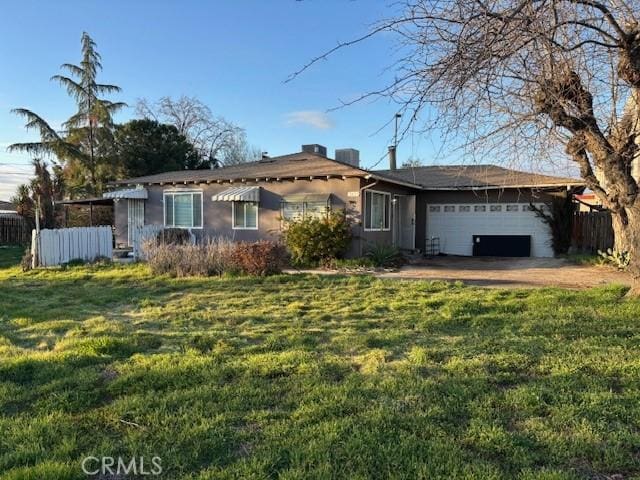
(307, 198)
(238, 194)
(131, 193)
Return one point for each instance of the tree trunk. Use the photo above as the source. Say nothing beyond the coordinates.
(626, 229)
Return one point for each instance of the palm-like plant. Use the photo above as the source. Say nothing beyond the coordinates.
(88, 127)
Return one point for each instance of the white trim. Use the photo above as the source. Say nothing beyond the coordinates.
(364, 209)
(178, 191)
(233, 216)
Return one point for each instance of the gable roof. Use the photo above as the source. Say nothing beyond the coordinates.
(470, 177)
(305, 165)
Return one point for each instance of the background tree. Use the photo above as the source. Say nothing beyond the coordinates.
(214, 137)
(83, 144)
(145, 147)
(40, 195)
(521, 79)
(412, 162)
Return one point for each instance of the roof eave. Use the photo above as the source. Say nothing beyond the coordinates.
(502, 187)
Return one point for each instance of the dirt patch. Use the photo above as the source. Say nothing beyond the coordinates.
(511, 272)
(500, 272)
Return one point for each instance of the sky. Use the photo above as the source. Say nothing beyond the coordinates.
(233, 55)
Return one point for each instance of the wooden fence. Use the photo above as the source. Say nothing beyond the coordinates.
(592, 231)
(139, 235)
(14, 231)
(58, 246)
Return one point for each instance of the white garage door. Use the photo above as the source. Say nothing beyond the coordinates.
(455, 225)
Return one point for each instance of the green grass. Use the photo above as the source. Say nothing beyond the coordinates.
(315, 377)
(10, 255)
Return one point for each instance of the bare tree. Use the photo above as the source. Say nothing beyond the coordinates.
(523, 78)
(215, 138)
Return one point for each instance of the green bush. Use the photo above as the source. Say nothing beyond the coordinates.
(317, 240)
(383, 255)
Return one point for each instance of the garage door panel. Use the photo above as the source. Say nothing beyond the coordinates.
(456, 228)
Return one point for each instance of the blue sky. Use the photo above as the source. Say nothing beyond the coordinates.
(233, 55)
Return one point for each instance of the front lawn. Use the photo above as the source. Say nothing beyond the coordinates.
(315, 377)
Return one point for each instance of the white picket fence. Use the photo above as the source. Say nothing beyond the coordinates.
(139, 235)
(51, 247)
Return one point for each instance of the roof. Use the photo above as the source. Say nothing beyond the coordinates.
(300, 164)
(305, 165)
(86, 201)
(7, 206)
(470, 177)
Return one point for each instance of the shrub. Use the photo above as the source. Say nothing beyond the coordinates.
(314, 240)
(620, 260)
(174, 236)
(214, 257)
(259, 258)
(383, 255)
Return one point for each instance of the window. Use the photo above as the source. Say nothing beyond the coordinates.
(245, 215)
(434, 208)
(480, 208)
(449, 208)
(292, 211)
(512, 208)
(183, 209)
(377, 210)
(464, 208)
(495, 208)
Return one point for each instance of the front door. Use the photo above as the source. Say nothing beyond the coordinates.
(135, 219)
(404, 221)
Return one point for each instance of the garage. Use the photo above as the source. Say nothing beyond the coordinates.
(495, 229)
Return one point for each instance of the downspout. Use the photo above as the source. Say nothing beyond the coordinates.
(362, 202)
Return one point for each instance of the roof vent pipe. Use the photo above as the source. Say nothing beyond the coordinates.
(392, 157)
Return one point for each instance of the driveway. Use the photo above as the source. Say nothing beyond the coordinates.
(511, 272)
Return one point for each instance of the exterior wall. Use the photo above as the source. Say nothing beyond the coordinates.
(513, 195)
(365, 238)
(217, 215)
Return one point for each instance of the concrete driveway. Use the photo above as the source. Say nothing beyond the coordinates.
(510, 272)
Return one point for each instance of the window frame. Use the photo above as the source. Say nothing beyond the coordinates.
(327, 205)
(173, 192)
(368, 211)
(233, 216)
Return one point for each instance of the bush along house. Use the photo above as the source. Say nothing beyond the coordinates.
(458, 210)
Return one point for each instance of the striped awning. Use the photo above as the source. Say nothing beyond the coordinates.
(238, 194)
(131, 193)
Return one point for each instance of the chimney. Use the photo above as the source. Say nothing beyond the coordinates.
(392, 157)
(348, 155)
(315, 148)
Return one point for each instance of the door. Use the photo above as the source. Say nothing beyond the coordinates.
(135, 219)
(456, 225)
(404, 221)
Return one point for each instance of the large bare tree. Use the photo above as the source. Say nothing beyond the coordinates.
(527, 79)
(213, 136)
